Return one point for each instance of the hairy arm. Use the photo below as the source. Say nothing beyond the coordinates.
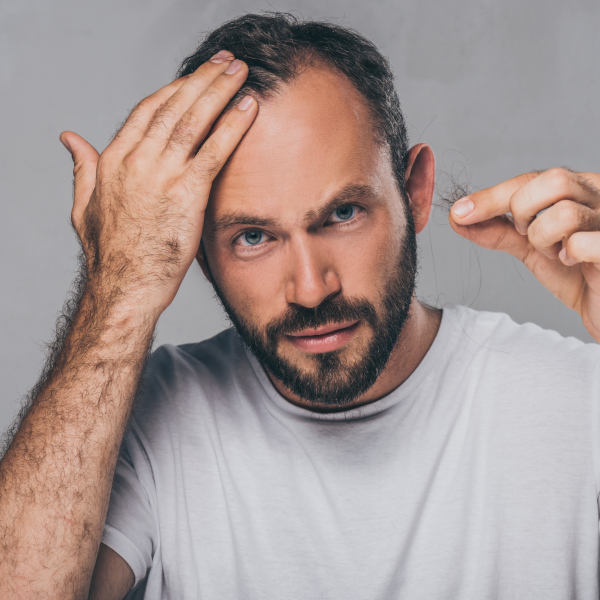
(112, 577)
(139, 212)
(56, 476)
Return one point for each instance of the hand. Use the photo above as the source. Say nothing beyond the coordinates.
(561, 246)
(139, 207)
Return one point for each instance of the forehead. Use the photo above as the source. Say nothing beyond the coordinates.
(315, 138)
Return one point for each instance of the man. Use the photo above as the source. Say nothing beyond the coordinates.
(344, 441)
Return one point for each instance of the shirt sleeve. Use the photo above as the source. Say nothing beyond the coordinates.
(130, 528)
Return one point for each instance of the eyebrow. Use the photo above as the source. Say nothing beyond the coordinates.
(342, 197)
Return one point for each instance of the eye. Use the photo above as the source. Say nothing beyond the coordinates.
(250, 238)
(346, 212)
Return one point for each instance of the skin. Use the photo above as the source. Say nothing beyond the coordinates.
(140, 209)
(561, 247)
(295, 164)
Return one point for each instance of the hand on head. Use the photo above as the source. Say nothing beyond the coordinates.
(139, 206)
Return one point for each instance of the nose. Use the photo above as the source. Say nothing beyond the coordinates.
(312, 277)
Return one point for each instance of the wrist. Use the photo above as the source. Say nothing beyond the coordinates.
(116, 307)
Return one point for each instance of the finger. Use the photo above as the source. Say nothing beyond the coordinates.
(200, 83)
(558, 223)
(499, 233)
(581, 247)
(135, 126)
(197, 121)
(547, 189)
(218, 147)
(488, 203)
(85, 159)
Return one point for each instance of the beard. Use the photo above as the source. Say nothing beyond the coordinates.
(332, 379)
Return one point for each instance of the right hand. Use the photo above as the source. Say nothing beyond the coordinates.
(139, 207)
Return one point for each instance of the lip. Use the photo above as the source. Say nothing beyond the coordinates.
(324, 339)
(323, 330)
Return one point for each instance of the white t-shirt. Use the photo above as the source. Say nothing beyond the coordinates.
(477, 478)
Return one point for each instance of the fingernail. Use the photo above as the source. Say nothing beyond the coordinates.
(567, 261)
(221, 57)
(234, 67)
(66, 145)
(563, 254)
(522, 230)
(463, 208)
(246, 103)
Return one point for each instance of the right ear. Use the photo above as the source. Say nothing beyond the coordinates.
(201, 258)
(420, 183)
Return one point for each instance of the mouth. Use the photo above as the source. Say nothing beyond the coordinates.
(324, 339)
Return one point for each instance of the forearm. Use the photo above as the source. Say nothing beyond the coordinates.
(56, 476)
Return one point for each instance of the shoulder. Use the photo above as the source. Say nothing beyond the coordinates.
(213, 359)
(498, 338)
(184, 383)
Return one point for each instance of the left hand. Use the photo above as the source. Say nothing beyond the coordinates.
(561, 246)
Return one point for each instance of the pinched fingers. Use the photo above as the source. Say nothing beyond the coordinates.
(550, 187)
(553, 227)
(527, 195)
(488, 203)
(581, 247)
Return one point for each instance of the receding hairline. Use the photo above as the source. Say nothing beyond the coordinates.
(315, 62)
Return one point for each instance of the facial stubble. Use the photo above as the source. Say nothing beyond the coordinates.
(334, 380)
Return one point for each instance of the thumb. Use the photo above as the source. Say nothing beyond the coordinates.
(497, 233)
(85, 158)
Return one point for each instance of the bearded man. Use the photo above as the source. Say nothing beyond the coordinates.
(343, 440)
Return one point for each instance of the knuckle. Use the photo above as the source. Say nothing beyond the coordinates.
(134, 118)
(189, 120)
(567, 212)
(199, 78)
(211, 96)
(185, 131)
(576, 245)
(161, 121)
(157, 128)
(558, 178)
(147, 103)
(211, 152)
(537, 231)
(516, 205)
(106, 163)
(134, 159)
(204, 170)
(206, 167)
(226, 128)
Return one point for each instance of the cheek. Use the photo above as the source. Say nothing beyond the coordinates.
(252, 288)
(362, 261)
(370, 258)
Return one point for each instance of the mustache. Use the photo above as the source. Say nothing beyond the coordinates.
(337, 310)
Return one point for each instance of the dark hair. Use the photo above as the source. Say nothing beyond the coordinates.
(277, 46)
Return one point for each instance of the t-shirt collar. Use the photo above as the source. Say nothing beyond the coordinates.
(426, 366)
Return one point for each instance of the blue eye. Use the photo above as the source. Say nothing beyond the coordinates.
(344, 213)
(251, 238)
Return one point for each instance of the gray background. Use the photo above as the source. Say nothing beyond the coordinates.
(497, 87)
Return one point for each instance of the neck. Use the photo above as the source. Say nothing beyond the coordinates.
(414, 341)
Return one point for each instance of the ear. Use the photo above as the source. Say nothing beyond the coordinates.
(202, 263)
(420, 183)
